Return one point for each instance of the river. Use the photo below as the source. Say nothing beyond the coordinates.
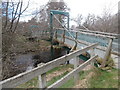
(30, 60)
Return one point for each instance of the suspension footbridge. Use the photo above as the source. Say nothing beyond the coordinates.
(96, 43)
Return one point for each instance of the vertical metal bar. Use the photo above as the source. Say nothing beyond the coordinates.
(68, 29)
(51, 33)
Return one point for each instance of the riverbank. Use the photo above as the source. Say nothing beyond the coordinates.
(22, 45)
(25, 54)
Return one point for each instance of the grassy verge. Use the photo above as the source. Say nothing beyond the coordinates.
(34, 82)
(101, 79)
(68, 84)
(54, 79)
(104, 79)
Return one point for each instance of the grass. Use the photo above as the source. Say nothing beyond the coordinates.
(33, 83)
(60, 67)
(68, 84)
(82, 74)
(104, 79)
(101, 79)
(54, 79)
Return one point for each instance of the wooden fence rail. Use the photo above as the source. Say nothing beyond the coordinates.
(72, 73)
(41, 70)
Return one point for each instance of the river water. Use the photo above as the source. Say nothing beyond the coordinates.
(30, 60)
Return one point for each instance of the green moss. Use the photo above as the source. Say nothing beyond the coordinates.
(109, 64)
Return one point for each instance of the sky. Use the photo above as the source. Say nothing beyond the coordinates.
(83, 7)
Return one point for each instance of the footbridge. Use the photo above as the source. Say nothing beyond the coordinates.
(96, 43)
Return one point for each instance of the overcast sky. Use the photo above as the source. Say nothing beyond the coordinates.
(77, 7)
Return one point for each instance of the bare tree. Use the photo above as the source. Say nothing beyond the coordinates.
(89, 21)
(11, 12)
(78, 20)
(104, 23)
(61, 5)
(44, 12)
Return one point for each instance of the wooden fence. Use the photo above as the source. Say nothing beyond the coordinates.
(40, 71)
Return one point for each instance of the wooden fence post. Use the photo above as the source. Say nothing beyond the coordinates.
(107, 53)
(56, 34)
(63, 36)
(76, 38)
(76, 64)
(42, 82)
(75, 46)
(92, 53)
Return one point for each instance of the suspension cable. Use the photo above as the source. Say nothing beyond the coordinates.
(63, 26)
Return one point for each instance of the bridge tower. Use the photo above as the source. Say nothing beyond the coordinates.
(52, 13)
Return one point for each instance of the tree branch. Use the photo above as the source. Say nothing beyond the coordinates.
(11, 25)
(6, 14)
(18, 17)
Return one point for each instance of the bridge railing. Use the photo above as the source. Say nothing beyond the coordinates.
(97, 33)
(104, 39)
(40, 71)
